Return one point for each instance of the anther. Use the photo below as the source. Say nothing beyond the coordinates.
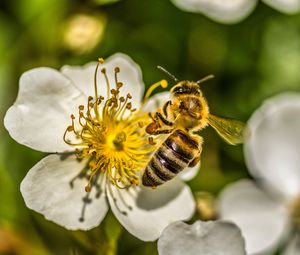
(103, 70)
(81, 107)
(100, 60)
(128, 106)
(70, 128)
(129, 96)
(119, 85)
(122, 99)
(164, 84)
(117, 69)
(72, 117)
(151, 141)
(87, 188)
(90, 98)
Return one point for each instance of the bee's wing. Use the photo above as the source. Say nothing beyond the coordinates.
(231, 130)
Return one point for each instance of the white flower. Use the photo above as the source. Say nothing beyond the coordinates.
(75, 190)
(269, 212)
(285, 6)
(233, 11)
(207, 238)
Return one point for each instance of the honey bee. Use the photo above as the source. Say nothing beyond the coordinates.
(182, 118)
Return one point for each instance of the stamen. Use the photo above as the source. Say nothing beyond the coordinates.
(95, 80)
(151, 140)
(162, 83)
(101, 60)
(117, 70)
(115, 143)
(103, 70)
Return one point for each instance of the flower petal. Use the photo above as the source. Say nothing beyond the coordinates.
(293, 247)
(229, 11)
(285, 6)
(83, 78)
(151, 210)
(272, 150)
(209, 238)
(157, 101)
(263, 221)
(189, 173)
(130, 75)
(42, 110)
(47, 190)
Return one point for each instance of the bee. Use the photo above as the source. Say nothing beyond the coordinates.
(181, 118)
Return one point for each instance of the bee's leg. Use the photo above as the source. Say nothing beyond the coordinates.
(165, 108)
(163, 120)
(162, 131)
(154, 118)
(154, 127)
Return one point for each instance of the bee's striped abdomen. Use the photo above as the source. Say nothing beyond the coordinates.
(176, 152)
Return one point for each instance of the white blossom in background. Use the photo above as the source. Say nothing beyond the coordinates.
(202, 237)
(233, 11)
(99, 149)
(269, 212)
(285, 6)
(223, 11)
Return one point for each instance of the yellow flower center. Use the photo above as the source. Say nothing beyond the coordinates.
(111, 135)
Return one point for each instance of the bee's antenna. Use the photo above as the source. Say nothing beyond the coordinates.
(168, 73)
(208, 77)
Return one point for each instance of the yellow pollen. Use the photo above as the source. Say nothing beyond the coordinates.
(110, 135)
(116, 141)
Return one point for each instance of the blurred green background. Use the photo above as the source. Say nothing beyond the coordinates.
(251, 61)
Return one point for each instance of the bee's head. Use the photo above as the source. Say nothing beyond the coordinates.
(186, 88)
(188, 97)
